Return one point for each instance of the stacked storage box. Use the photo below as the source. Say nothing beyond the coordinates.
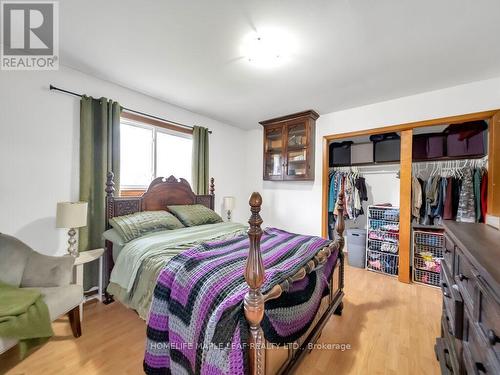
(428, 247)
(382, 241)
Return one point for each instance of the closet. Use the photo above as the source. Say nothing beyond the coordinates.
(448, 164)
(367, 169)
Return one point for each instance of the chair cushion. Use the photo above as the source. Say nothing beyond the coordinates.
(61, 299)
(46, 271)
(13, 258)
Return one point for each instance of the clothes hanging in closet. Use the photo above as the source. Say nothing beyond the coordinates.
(416, 197)
(355, 193)
(466, 206)
(450, 198)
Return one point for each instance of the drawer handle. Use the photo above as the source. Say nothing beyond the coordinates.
(446, 250)
(492, 337)
(445, 293)
(462, 277)
(480, 367)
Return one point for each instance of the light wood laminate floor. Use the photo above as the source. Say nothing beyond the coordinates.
(391, 328)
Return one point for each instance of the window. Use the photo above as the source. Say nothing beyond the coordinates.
(148, 151)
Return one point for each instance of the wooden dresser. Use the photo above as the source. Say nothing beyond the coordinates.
(470, 282)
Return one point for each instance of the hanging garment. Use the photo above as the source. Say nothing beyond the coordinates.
(361, 186)
(431, 199)
(466, 207)
(477, 193)
(433, 195)
(416, 197)
(340, 186)
(448, 200)
(332, 195)
(361, 195)
(349, 197)
(358, 209)
(423, 187)
(457, 187)
(484, 194)
(438, 211)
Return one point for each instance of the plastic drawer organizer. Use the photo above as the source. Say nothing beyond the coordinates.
(428, 247)
(382, 240)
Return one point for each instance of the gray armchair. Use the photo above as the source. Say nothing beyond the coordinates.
(21, 266)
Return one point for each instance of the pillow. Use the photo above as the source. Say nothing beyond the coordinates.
(112, 235)
(140, 223)
(195, 214)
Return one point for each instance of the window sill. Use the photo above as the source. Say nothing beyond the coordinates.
(132, 192)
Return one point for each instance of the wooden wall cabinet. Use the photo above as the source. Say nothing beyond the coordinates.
(289, 147)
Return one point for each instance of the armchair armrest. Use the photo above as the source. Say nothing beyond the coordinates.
(47, 271)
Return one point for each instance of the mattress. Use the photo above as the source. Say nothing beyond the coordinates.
(139, 262)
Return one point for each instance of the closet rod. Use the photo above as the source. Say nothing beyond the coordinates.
(52, 87)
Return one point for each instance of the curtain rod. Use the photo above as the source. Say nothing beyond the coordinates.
(52, 87)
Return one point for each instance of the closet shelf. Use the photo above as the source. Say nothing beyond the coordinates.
(448, 158)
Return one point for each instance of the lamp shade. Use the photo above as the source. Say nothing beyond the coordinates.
(71, 214)
(228, 203)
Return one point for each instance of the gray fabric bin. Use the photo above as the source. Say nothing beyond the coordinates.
(362, 153)
(356, 247)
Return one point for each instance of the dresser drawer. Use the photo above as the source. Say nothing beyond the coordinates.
(488, 316)
(465, 278)
(479, 358)
(449, 252)
(443, 356)
(452, 302)
(453, 345)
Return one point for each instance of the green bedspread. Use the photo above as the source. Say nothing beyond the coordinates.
(137, 266)
(24, 316)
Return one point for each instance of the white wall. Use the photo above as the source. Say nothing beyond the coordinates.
(39, 157)
(296, 206)
(39, 133)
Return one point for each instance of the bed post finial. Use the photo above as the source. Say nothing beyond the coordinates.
(254, 276)
(211, 188)
(110, 184)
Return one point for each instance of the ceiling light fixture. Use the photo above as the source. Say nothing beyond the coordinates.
(267, 48)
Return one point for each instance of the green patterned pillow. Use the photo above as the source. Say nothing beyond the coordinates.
(140, 223)
(195, 214)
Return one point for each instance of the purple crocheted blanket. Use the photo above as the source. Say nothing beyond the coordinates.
(196, 323)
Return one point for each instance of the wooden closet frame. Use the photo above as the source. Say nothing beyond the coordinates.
(406, 130)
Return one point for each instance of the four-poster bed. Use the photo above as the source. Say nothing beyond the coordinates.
(256, 302)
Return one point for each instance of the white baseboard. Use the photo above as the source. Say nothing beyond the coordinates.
(493, 221)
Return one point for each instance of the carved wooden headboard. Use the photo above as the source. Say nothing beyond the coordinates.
(161, 193)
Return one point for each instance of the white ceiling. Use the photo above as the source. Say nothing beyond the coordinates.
(349, 52)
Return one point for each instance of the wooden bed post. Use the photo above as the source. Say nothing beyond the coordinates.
(254, 276)
(108, 259)
(211, 187)
(339, 228)
(110, 192)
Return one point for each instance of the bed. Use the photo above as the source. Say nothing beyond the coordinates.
(261, 298)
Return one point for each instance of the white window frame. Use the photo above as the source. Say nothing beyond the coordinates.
(155, 130)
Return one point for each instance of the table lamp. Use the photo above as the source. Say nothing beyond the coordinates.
(71, 215)
(228, 206)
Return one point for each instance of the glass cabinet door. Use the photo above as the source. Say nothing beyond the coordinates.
(273, 155)
(296, 151)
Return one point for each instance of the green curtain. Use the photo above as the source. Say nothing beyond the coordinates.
(200, 160)
(99, 154)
